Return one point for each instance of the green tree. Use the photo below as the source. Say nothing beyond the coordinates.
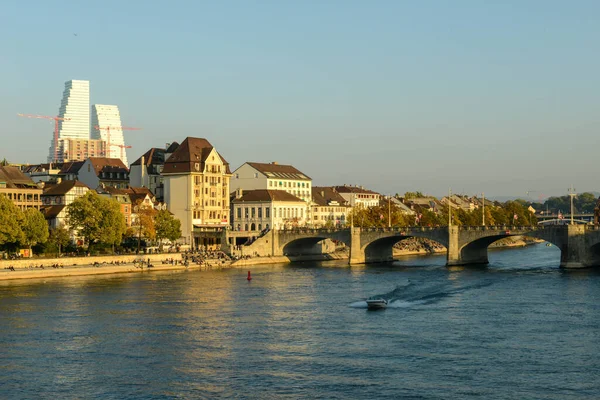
(167, 226)
(59, 237)
(97, 219)
(10, 224)
(35, 228)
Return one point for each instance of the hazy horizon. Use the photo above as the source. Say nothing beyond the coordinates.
(479, 97)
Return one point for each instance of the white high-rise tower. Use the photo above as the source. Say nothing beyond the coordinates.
(106, 126)
(75, 109)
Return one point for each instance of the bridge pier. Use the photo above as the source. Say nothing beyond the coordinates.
(460, 254)
(576, 252)
(357, 255)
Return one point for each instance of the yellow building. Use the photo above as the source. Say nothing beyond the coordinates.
(196, 188)
(19, 188)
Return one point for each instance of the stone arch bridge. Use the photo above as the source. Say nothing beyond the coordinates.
(579, 244)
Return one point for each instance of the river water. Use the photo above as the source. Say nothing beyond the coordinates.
(518, 328)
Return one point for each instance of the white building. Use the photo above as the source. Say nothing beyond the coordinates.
(329, 208)
(56, 198)
(75, 109)
(358, 196)
(196, 188)
(106, 126)
(255, 210)
(274, 176)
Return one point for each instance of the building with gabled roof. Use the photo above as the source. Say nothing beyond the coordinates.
(70, 170)
(272, 176)
(328, 207)
(57, 197)
(146, 171)
(100, 171)
(358, 196)
(19, 188)
(259, 209)
(196, 188)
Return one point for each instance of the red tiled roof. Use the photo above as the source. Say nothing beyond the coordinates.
(52, 211)
(15, 178)
(63, 188)
(323, 195)
(103, 164)
(192, 151)
(353, 189)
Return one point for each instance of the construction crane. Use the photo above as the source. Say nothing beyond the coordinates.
(122, 146)
(56, 119)
(108, 143)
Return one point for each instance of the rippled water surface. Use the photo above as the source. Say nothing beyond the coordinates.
(518, 328)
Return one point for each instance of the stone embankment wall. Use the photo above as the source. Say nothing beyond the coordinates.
(84, 261)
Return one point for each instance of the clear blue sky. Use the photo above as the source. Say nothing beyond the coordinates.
(500, 97)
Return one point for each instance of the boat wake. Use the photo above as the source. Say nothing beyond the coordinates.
(411, 295)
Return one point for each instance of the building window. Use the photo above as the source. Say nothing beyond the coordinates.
(239, 212)
(267, 212)
(246, 213)
(256, 174)
(259, 212)
(253, 212)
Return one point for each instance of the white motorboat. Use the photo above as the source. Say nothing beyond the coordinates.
(376, 304)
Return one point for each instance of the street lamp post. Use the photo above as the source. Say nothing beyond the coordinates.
(389, 212)
(572, 194)
(449, 208)
(483, 209)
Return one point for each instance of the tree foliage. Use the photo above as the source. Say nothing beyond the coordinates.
(143, 224)
(35, 227)
(167, 226)
(97, 219)
(59, 237)
(10, 223)
(377, 216)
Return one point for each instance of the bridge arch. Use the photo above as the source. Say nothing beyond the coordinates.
(305, 241)
(377, 245)
(473, 242)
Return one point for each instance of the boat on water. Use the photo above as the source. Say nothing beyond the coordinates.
(376, 304)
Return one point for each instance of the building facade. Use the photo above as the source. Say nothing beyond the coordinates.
(256, 210)
(329, 208)
(196, 188)
(80, 149)
(75, 109)
(272, 176)
(19, 188)
(101, 172)
(106, 127)
(56, 198)
(358, 196)
(146, 171)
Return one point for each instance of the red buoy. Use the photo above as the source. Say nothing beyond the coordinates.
(249, 276)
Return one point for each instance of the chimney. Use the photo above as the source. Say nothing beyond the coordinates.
(238, 193)
(274, 162)
(323, 193)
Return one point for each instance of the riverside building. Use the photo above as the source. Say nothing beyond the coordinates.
(196, 190)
